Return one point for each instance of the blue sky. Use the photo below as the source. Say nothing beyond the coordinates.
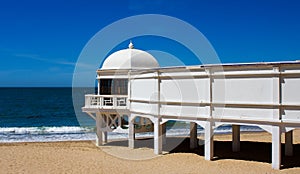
(40, 41)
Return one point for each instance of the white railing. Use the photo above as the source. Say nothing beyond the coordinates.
(106, 101)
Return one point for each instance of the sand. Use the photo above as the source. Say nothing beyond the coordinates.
(85, 157)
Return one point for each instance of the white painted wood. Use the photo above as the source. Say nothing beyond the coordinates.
(243, 90)
(290, 86)
(183, 111)
(235, 138)
(158, 128)
(98, 89)
(276, 147)
(144, 108)
(99, 133)
(291, 115)
(131, 133)
(244, 113)
(157, 137)
(191, 90)
(193, 135)
(289, 143)
(106, 101)
(144, 89)
(209, 141)
(276, 87)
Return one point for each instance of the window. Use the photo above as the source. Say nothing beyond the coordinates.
(113, 86)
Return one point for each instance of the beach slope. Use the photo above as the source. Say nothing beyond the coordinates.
(85, 157)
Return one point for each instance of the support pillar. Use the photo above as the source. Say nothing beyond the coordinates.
(235, 138)
(157, 137)
(101, 137)
(104, 136)
(209, 141)
(289, 143)
(131, 134)
(164, 135)
(276, 147)
(193, 135)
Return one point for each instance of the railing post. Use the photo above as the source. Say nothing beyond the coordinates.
(114, 101)
(101, 101)
(277, 94)
(98, 101)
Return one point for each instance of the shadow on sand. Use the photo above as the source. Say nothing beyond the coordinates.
(250, 151)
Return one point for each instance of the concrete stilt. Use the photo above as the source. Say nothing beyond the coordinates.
(193, 135)
(235, 138)
(276, 147)
(289, 143)
(131, 134)
(157, 137)
(99, 133)
(209, 141)
(164, 131)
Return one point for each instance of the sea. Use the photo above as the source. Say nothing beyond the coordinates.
(54, 114)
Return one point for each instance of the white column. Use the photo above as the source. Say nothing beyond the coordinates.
(289, 143)
(157, 126)
(164, 131)
(99, 134)
(157, 137)
(131, 132)
(235, 138)
(98, 87)
(209, 141)
(193, 135)
(276, 147)
(103, 125)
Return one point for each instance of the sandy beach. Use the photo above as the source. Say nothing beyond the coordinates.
(85, 157)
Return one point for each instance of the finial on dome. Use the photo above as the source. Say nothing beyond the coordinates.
(130, 46)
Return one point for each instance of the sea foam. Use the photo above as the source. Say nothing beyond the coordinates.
(76, 133)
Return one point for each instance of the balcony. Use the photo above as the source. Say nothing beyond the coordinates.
(106, 101)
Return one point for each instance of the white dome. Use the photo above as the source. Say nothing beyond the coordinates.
(130, 59)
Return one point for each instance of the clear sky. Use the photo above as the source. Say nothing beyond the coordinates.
(40, 41)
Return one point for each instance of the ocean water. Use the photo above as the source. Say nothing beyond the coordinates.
(48, 114)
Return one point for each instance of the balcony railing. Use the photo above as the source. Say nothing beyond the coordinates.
(106, 101)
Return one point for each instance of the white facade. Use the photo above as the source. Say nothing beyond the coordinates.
(260, 94)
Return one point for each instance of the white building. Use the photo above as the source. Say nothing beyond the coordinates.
(131, 83)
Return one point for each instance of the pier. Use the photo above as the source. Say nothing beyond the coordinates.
(259, 94)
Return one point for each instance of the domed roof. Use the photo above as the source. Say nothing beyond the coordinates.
(130, 58)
